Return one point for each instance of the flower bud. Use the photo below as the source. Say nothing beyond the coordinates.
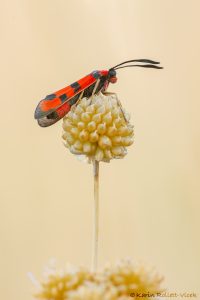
(87, 147)
(91, 126)
(118, 122)
(127, 141)
(107, 118)
(104, 142)
(96, 118)
(101, 128)
(81, 125)
(70, 138)
(90, 109)
(116, 140)
(83, 135)
(67, 125)
(75, 118)
(74, 131)
(84, 103)
(85, 117)
(79, 110)
(108, 154)
(74, 150)
(123, 130)
(78, 145)
(112, 131)
(94, 137)
(117, 151)
(64, 135)
(130, 130)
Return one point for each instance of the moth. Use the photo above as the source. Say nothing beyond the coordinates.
(56, 105)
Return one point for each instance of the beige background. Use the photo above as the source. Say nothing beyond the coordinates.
(149, 200)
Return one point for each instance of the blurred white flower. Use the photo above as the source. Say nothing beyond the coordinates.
(118, 282)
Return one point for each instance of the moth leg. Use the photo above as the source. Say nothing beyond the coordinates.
(96, 86)
(94, 90)
(81, 95)
(79, 99)
(119, 104)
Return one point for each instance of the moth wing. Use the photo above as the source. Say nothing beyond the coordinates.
(50, 104)
(53, 101)
(54, 116)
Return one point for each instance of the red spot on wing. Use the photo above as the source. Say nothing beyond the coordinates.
(63, 110)
(67, 90)
(70, 92)
(86, 81)
(50, 104)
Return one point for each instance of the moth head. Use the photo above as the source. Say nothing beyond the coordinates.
(112, 76)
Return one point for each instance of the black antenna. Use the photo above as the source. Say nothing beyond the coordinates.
(142, 66)
(137, 60)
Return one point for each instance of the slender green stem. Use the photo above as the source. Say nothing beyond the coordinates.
(96, 216)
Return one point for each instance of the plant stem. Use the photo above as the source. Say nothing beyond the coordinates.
(96, 216)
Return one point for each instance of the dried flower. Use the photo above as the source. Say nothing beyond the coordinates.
(113, 283)
(97, 129)
(128, 278)
(58, 283)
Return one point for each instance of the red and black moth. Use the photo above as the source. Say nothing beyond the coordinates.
(55, 106)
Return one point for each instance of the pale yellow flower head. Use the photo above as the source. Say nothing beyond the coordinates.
(129, 279)
(118, 282)
(98, 128)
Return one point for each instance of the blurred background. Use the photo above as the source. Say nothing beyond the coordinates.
(149, 201)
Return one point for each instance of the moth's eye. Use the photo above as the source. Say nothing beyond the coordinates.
(112, 73)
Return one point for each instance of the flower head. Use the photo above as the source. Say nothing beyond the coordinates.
(58, 283)
(131, 279)
(98, 128)
(116, 282)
